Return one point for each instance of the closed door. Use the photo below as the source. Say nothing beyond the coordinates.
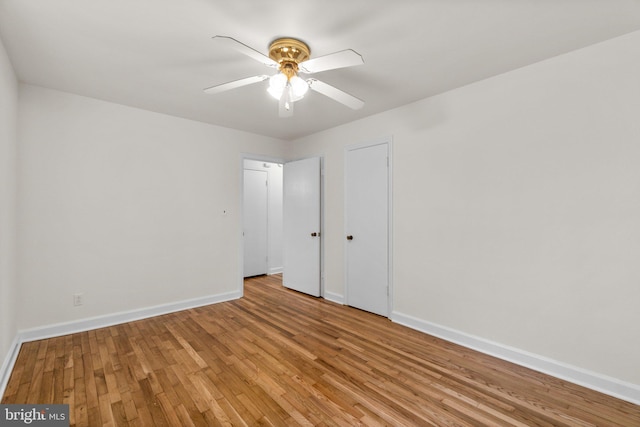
(255, 222)
(367, 228)
(301, 228)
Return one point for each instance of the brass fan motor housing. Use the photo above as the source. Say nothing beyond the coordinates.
(288, 53)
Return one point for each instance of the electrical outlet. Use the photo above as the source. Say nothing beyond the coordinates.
(78, 299)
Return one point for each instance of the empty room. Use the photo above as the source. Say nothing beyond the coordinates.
(320, 213)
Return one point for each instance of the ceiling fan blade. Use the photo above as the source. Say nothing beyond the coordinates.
(243, 48)
(342, 59)
(235, 84)
(336, 94)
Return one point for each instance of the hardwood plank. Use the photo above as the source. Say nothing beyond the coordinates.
(278, 357)
(58, 380)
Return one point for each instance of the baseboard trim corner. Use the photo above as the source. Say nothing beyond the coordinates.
(592, 380)
(8, 364)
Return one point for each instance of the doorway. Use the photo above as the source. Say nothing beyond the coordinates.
(262, 217)
(307, 280)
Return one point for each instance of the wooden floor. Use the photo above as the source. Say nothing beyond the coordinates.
(277, 357)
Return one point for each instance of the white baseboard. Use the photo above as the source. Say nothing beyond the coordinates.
(275, 270)
(598, 382)
(88, 324)
(337, 298)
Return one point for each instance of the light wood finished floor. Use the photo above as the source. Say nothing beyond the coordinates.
(279, 358)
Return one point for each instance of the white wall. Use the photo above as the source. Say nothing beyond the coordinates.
(8, 203)
(125, 206)
(274, 211)
(516, 208)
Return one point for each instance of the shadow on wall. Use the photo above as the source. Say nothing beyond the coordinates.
(423, 115)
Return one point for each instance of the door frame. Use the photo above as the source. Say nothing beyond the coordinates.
(243, 157)
(365, 144)
(270, 159)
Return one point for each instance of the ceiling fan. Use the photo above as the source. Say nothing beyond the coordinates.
(290, 57)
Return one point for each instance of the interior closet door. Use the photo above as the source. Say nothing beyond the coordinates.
(255, 222)
(367, 228)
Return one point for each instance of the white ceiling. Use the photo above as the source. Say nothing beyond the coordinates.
(158, 54)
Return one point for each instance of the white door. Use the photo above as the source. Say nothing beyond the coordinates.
(255, 222)
(301, 226)
(367, 228)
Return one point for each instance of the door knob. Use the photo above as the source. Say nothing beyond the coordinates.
(349, 237)
(314, 234)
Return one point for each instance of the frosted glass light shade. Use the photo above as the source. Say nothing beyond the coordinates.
(299, 87)
(276, 85)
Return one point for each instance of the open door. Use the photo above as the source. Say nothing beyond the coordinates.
(301, 227)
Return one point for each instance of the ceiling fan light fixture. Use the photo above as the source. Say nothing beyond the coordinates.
(286, 86)
(279, 82)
